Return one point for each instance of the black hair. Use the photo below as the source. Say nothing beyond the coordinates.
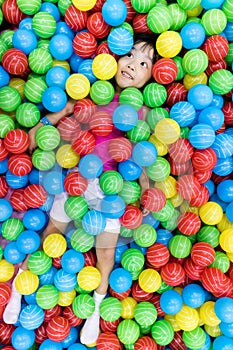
(148, 40)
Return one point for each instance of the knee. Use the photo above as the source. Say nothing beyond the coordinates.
(106, 256)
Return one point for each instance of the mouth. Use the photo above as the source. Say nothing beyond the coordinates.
(126, 75)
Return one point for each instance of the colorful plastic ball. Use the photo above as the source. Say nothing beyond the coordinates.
(223, 166)
(7, 270)
(128, 331)
(144, 153)
(5, 293)
(24, 40)
(131, 218)
(183, 113)
(90, 166)
(154, 95)
(6, 209)
(58, 328)
(27, 114)
(149, 280)
(216, 47)
(72, 261)
(114, 12)
(212, 116)
(180, 246)
(31, 317)
(199, 57)
(193, 295)
(193, 35)
(108, 339)
(120, 280)
(28, 242)
(16, 141)
(120, 40)
(14, 61)
(22, 338)
(35, 195)
(47, 296)
(164, 71)
(222, 342)
(34, 219)
(57, 76)
(88, 278)
(211, 213)
(214, 21)
(84, 44)
(39, 263)
(85, 68)
(66, 157)
(10, 98)
(5, 77)
(104, 66)
(71, 338)
(132, 260)
(223, 309)
(159, 24)
(145, 313)
(102, 92)
(201, 136)
(167, 131)
(26, 282)
(162, 332)
(145, 342)
(222, 146)
(48, 344)
(76, 207)
(29, 9)
(94, 222)
(54, 245)
(54, 99)
(196, 337)
(44, 24)
(60, 47)
(221, 81)
(125, 117)
(83, 306)
(169, 44)
(43, 160)
(77, 86)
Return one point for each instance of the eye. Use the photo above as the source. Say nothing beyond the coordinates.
(130, 55)
(144, 64)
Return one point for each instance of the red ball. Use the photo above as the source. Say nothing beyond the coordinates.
(204, 159)
(83, 110)
(40, 334)
(130, 11)
(213, 66)
(155, 300)
(221, 130)
(75, 18)
(216, 282)
(107, 326)
(16, 141)
(108, 341)
(20, 164)
(58, 328)
(75, 184)
(173, 274)
(132, 217)
(181, 150)
(119, 295)
(145, 343)
(158, 255)
(178, 169)
(202, 253)
(3, 151)
(11, 12)
(53, 312)
(176, 92)
(177, 342)
(192, 270)
(101, 123)
(202, 176)
(119, 149)
(89, 258)
(104, 48)
(71, 317)
(17, 200)
(202, 198)
(68, 128)
(140, 24)
(188, 187)
(84, 44)
(97, 25)
(85, 143)
(56, 262)
(138, 294)
(216, 47)
(8, 348)
(35, 195)
(3, 186)
(14, 61)
(5, 293)
(6, 331)
(217, 179)
(228, 113)
(189, 223)
(164, 71)
(153, 199)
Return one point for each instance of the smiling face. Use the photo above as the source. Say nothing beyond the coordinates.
(134, 69)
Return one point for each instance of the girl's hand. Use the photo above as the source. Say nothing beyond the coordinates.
(32, 137)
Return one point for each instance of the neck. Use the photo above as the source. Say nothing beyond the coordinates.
(118, 89)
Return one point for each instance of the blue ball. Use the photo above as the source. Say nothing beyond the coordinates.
(50, 345)
(222, 343)
(28, 242)
(163, 236)
(22, 338)
(12, 254)
(94, 222)
(212, 116)
(120, 249)
(57, 76)
(35, 176)
(75, 62)
(229, 212)
(223, 145)
(125, 117)
(54, 99)
(228, 31)
(171, 302)
(133, 244)
(120, 41)
(193, 295)
(4, 77)
(48, 277)
(71, 338)
(120, 280)
(64, 281)
(72, 261)
(223, 308)
(192, 35)
(210, 4)
(217, 101)
(90, 166)
(201, 136)
(34, 219)
(226, 329)
(51, 9)
(53, 182)
(26, 23)
(149, 219)
(30, 298)
(85, 68)
(48, 203)
(60, 47)
(114, 12)
(112, 206)
(144, 153)
(129, 170)
(225, 190)
(77, 346)
(223, 167)
(183, 113)
(15, 181)
(215, 198)
(3, 166)
(63, 28)
(6, 209)
(31, 317)
(200, 96)
(24, 40)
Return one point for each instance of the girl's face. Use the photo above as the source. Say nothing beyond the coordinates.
(134, 69)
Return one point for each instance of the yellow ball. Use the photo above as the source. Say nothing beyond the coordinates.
(66, 298)
(211, 213)
(67, 157)
(176, 200)
(54, 245)
(167, 131)
(224, 224)
(185, 206)
(169, 44)
(194, 12)
(149, 280)
(230, 256)
(187, 318)
(213, 331)
(128, 306)
(26, 282)
(6, 270)
(208, 315)
(89, 278)
(226, 240)
(161, 147)
(84, 5)
(191, 80)
(77, 86)
(104, 66)
(171, 319)
(18, 84)
(168, 186)
(63, 64)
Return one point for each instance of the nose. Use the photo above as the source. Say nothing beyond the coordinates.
(131, 66)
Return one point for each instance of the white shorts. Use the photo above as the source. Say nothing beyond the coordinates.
(93, 196)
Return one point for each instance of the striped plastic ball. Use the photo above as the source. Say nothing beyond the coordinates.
(83, 306)
(153, 199)
(216, 47)
(214, 21)
(27, 114)
(47, 296)
(35, 195)
(81, 241)
(15, 61)
(29, 8)
(102, 92)
(65, 282)
(58, 329)
(66, 156)
(202, 254)
(84, 143)
(188, 4)
(6, 124)
(133, 96)
(227, 9)
(195, 61)
(169, 44)
(159, 19)
(6, 334)
(84, 44)
(119, 149)
(71, 317)
(10, 98)
(43, 160)
(154, 95)
(101, 123)
(16, 141)
(77, 86)
(128, 331)
(145, 342)
(173, 274)
(189, 223)
(11, 11)
(33, 90)
(132, 217)
(167, 131)
(145, 313)
(75, 18)
(31, 317)
(111, 182)
(104, 66)
(187, 187)
(157, 255)
(20, 165)
(54, 245)
(149, 280)
(221, 81)
(83, 110)
(187, 318)
(47, 138)
(143, 6)
(176, 92)
(164, 71)
(162, 332)
(88, 278)
(75, 184)
(108, 340)
(144, 235)
(140, 24)
(39, 262)
(6, 270)
(5, 293)
(44, 24)
(17, 200)
(205, 159)
(120, 41)
(180, 246)
(97, 26)
(3, 186)
(132, 260)
(110, 309)
(193, 271)
(211, 213)
(68, 128)
(130, 192)
(40, 60)
(26, 282)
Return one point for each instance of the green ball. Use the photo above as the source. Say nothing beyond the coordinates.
(47, 137)
(162, 332)
(6, 37)
(163, 288)
(214, 21)
(34, 88)
(3, 48)
(195, 61)
(155, 115)
(43, 44)
(1, 16)
(144, 235)
(221, 81)
(47, 296)
(63, 5)
(181, 72)
(1, 252)
(165, 213)
(135, 275)
(81, 241)
(127, 26)
(209, 234)
(126, 232)
(40, 61)
(154, 95)
(140, 132)
(178, 15)
(130, 192)
(143, 6)
(159, 19)
(159, 170)
(6, 124)
(43, 160)
(221, 262)
(128, 331)
(29, 8)
(28, 114)
(9, 98)
(76, 207)
(145, 313)
(194, 339)
(184, 132)
(188, 4)
(171, 224)
(11, 229)
(39, 262)
(227, 8)
(131, 96)
(83, 306)
(110, 309)
(229, 56)
(44, 24)
(180, 246)
(111, 182)
(132, 260)
(102, 92)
